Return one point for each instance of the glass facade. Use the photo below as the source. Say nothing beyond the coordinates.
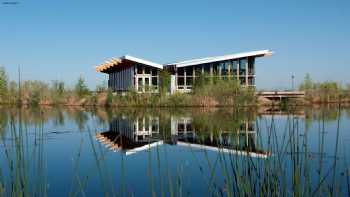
(251, 66)
(241, 69)
(242, 66)
(146, 78)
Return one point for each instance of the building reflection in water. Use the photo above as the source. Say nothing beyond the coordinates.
(144, 133)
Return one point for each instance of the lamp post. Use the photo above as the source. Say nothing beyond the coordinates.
(292, 82)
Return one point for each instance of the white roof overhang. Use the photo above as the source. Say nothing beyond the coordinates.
(114, 62)
(221, 58)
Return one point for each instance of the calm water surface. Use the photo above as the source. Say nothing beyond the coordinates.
(168, 152)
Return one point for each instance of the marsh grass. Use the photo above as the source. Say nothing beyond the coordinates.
(291, 169)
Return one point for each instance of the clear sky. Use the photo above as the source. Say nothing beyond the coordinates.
(65, 39)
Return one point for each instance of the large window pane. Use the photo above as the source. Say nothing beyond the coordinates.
(139, 69)
(180, 81)
(234, 66)
(215, 69)
(206, 68)
(225, 67)
(154, 72)
(147, 70)
(189, 71)
(154, 81)
(251, 66)
(140, 84)
(180, 72)
(251, 81)
(242, 66)
(242, 80)
(189, 81)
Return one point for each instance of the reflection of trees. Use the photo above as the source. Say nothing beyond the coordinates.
(3, 121)
(327, 113)
(347, 112)
(79, 116)
(58, 116)
(221, 120)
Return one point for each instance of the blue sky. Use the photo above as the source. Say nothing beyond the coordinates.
(65, 39)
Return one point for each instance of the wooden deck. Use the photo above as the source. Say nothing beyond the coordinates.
(274, 95)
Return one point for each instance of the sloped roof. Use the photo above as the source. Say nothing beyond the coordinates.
(221, 58)
(115, 62)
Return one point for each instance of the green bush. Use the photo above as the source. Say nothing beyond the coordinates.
(109, 99)
(3, 85)
(58, 92)
(81, 88)
(164, 82)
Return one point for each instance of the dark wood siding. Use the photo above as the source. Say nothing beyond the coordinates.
(121, 79)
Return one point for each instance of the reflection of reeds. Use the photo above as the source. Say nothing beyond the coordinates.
(288, 171)
(26, 163)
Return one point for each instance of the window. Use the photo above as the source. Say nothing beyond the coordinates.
(147, 70)
(242, 66)
(180, 81)
(234, 67)
(154, 81)
(147, 84)
(180, 72)
(189, 71)
(180, 127)
(215, 69)
(140, 85)
(251, 81)
(251, 66)
(139, 69)
(154, 72)
(189, 81)
(189, 127)
(225, 68)
(206, 68)
(242, 80)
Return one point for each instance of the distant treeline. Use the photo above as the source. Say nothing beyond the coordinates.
(324, 92)
(214, 91)
(207, 91)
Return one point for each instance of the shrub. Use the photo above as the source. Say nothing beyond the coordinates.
(164, 82)
(81, 88)
(3, 85)
(109, 99)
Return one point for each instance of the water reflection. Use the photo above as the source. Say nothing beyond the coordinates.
(142, 133)
(202, 150)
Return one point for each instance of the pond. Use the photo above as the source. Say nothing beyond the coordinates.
(67, 151)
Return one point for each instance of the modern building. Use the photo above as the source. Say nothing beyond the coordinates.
(129, 72)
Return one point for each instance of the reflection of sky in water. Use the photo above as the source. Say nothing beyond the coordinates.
(71, 153)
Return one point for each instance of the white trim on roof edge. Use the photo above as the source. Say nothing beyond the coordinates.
(220, 58)
(142, 61)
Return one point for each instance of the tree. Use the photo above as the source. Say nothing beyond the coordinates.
(57, 91)
(109, 99)
(307, 84)
(3, 84)
(164, 82)
(81, 88)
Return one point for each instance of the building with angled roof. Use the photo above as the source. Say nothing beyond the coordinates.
(128, 72)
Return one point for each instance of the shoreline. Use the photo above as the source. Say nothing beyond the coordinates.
(274, 105)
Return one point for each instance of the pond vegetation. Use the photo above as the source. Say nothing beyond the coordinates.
(49, 151)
